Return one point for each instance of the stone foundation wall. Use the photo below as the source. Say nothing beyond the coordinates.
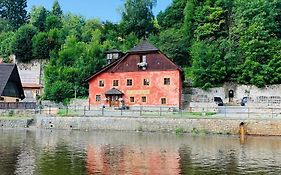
(17, 112)
(269, 96)
(216, 126)
(19, 123)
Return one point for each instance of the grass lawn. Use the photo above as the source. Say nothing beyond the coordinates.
(69, 112)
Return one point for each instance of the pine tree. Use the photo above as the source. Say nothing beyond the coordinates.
(56, 9)
(14, 11)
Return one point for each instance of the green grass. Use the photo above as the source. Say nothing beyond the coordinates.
(179, 131)
(177, 114)
(199, 113)
(69, 112)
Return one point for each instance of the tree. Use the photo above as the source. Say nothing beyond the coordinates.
(171, 42)
(72, 25)
(189, 15)
(22, 46)
(56, 39)
(208, 68)
(38, 17)
(138, 17)
(5, 25)
(56, 9)
(173, 16)
(257, 30)
(52, 22)
(14, 11)
(6, 42)
(75, 61)
(88, 29)
(206, 28)
(40, 46)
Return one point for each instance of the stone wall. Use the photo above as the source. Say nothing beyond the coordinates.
(258, 97)
(217, 126)
(12, 123)
(17, 112)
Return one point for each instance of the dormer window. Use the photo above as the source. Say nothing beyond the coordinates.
(143, 59)
(142, 64)
(113, 55)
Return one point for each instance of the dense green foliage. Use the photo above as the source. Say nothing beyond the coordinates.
(137, 17)
(215, 41)
(234, 41)
(22, 46)
(14, 12)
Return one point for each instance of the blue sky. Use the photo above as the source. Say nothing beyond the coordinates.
(101, 9)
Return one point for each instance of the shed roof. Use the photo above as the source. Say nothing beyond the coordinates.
(114, 91)
(9, 73)
(143, 46)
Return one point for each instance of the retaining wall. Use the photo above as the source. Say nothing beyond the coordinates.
(214, 125)
(15, 123)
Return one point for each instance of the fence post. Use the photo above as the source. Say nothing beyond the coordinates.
(66, 110)
(140, 110)
(160, 111)
(181, 112)
(49, 109)
(84, 110)
(248, 112)
(225, 111)
(102, 111)
(121, 112)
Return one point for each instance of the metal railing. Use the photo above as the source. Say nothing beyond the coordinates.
(148, 111)
(18, 105)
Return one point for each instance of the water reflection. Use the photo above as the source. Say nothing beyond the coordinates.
(72, 153)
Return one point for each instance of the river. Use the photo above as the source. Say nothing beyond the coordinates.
(53, 152)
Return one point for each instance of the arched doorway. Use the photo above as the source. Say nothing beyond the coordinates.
(230, 95)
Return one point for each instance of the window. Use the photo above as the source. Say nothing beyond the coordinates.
(98, 97)
(129, 82)
(163, 101)
(143, 99)
(143, 58)
(101, 83)
(132, 99)
(166, 81)
(146, 82)
(115, 82)
(1, 98)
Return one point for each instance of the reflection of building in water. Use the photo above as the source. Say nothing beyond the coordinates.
(25, 161)
(123, 160)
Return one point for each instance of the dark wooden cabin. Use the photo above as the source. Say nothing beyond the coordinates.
(10, 84)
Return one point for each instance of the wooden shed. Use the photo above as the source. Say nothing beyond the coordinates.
(10, 84)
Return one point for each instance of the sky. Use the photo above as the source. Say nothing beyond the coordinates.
(101, 9)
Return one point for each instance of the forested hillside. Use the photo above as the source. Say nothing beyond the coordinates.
(215, 41)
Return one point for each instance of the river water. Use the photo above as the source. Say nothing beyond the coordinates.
(46, 152)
